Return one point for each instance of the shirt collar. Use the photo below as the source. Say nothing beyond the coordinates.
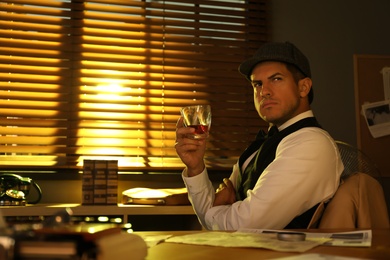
(295, 119)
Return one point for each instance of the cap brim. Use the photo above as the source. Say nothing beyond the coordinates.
(247, 66)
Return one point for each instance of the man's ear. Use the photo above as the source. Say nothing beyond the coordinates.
(304, 86)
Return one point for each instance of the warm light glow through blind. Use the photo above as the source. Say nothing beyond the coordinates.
(105, 79)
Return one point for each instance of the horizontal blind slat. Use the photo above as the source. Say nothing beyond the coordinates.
(106, 79)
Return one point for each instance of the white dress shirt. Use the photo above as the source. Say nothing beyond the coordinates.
(306, 170)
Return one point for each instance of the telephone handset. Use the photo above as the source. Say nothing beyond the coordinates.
(14, 190)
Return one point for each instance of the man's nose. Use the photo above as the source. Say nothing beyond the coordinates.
(265, 91)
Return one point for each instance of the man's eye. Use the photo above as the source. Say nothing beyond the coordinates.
(257, 84)
(277, 79)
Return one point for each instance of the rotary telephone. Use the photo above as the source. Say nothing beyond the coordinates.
(14, 190)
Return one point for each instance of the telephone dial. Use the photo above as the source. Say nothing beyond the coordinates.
(14, 190)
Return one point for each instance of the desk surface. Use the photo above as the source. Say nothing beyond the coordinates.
(380, 249)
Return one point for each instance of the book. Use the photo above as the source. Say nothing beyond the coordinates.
(122, 246)
(87, 231)
(46, 249)
(65, 242)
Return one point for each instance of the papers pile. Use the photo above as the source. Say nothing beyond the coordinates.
(268, 239)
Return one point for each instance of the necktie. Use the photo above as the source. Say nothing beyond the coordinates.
(261, 135)
(273, 130)
(261, 138)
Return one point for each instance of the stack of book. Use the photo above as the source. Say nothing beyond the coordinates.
(81, 241)
(100, 182)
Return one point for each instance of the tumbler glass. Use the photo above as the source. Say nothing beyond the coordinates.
(199, 118)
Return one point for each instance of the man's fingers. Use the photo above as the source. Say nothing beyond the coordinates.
(220, 187)
(225, 184)
(228, 183)
(179, 122)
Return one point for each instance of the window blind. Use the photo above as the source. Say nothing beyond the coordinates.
(105, 79)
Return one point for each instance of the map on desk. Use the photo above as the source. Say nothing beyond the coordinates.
(360, 238)
(247, 239)
(268, 239)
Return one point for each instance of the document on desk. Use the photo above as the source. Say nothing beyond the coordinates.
(247, 239)
(360, 238)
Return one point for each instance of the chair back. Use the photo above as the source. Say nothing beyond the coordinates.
(355, 160)
(359, 202)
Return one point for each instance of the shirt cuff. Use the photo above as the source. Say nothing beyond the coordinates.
(196, 183)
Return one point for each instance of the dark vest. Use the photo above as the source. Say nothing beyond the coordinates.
(266, 154)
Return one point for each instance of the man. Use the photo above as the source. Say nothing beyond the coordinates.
(278, 181)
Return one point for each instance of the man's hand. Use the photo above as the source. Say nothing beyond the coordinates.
(225, 194)
(190, 151)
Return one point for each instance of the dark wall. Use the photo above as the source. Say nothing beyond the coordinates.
(329, 32)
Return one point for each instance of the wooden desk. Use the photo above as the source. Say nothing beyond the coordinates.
(380, 249)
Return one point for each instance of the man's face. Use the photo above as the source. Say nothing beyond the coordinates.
(277, 96)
